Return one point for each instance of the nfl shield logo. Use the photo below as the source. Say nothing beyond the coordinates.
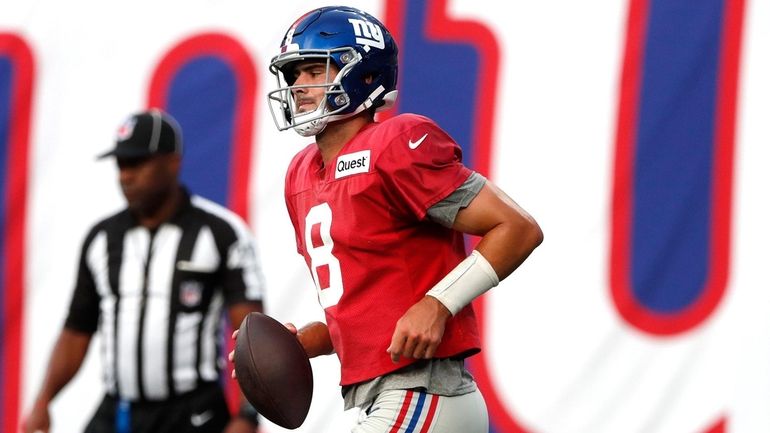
(126, 129)
(190, 293)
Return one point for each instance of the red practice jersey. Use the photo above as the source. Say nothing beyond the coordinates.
(361, 225)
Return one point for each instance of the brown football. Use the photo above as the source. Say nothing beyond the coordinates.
(273, 370)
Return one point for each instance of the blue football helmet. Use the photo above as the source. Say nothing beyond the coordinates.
(358, 45)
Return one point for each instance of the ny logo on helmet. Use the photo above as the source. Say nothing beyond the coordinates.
(287, 38)
(367, 34)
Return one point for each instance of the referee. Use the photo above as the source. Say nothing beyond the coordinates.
(153, 280)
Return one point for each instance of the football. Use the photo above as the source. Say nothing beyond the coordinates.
(273, 370)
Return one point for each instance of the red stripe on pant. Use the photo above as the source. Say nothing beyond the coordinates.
(431, 412)
(402, 412)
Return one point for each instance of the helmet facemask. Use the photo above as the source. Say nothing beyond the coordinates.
(282, 102)
(347, 39)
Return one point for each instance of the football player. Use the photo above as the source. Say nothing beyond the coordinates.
(379, 211)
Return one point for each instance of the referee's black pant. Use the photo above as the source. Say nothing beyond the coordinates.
(203, 410)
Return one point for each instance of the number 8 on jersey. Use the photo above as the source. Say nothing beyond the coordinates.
(324, 266)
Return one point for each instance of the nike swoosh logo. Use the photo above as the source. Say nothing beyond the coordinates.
(198, 419)
(414, 144)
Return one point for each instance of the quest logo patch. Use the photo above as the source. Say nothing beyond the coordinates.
(352, 163)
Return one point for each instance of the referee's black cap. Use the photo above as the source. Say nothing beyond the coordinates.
(145, 134)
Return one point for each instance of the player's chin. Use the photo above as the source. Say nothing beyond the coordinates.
(305, 108)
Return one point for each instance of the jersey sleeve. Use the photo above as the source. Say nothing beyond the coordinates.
(83, 315)
(421, 166)
(445, 211)
(243, 279)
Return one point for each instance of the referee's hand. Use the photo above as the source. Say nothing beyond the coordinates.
(38, 420)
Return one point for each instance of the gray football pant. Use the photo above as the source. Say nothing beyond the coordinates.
(420, 412)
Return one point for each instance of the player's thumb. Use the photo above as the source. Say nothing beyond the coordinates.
(291, 327)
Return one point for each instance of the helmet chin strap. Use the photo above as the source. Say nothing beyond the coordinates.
(307, 127)
(314, 127)
(321, 118)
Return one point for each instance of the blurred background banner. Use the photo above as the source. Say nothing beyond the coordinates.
(635, 131)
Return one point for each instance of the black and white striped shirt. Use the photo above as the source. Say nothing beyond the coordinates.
(157, 296)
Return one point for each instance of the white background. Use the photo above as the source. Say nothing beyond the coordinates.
(562, 358)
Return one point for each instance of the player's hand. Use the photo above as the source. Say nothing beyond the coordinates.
(314, 338)
(290, 326)
(240, 425)
(38, 420)
(231, 355)
(419, 331)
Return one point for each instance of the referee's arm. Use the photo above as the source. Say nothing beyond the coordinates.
(67, 357)
(70, 349)
(243, 286)
(237, 312)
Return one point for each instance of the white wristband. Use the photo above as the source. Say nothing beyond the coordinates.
(467, 281)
